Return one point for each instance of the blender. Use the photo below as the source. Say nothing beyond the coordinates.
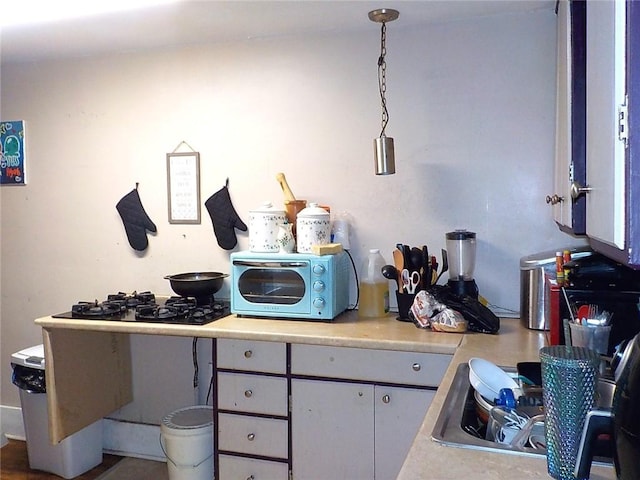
(461, 252)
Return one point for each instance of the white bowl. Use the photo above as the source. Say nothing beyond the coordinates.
(488, 379)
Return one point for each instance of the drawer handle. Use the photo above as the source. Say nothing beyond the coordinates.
(248, 393)
(386, 399)
(251, 437)
(248, 353)
(416, 367)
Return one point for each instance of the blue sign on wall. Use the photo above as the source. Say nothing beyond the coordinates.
(12, 165)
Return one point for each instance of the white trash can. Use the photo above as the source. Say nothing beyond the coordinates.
(186, 438)
(74, 455)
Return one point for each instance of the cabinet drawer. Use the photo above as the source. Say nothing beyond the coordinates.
(252, 393)
(253, 435)
(250, 355)
(407, 368)
(232, 468)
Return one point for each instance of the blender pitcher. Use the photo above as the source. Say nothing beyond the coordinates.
(461, 252)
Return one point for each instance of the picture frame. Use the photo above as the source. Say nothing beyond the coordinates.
(12, 153)
(183, 187)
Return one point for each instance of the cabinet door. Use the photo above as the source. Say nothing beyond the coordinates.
(606, 86)
(399, 412)
(332, 430)
(570, 156)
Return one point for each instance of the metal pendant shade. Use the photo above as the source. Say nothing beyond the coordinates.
(384, 155)
(384, 152)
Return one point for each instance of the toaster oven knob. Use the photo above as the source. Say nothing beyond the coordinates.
(318, 302)
(318, 286)
(318, 269)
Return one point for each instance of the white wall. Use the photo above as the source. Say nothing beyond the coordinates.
(472, 113)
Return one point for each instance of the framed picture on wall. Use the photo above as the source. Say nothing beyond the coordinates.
(12, 153)
(183, 185)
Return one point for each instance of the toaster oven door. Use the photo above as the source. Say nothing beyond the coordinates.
(271, 289)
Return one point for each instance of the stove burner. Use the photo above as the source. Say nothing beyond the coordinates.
(134, 299)
(142, 307)
(96, 310)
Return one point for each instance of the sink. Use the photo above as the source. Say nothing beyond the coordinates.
(458, 417)
(458, 413)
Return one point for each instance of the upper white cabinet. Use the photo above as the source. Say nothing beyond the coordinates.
(606, 122)
(597, 167)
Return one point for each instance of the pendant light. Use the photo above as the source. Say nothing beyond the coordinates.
(383, 145)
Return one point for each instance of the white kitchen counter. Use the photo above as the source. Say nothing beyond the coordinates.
(426, 459)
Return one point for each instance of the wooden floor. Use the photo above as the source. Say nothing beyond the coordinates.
(14, 465)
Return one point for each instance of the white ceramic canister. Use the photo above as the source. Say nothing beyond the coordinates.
(264, 225)
(313, 227)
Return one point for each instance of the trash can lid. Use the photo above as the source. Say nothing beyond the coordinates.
(30, 357)
(188, 418)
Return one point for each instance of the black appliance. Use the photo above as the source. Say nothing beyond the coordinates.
(598, 280)
(146, 307)
(621, 421)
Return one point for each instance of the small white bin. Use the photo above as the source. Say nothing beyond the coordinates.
(75, 454)
(186, 438)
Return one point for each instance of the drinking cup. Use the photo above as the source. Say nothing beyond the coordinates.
(569, 378)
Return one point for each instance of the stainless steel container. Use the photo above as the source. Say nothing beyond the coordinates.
(535, 272)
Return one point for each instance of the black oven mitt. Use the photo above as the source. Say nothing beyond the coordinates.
(224, 218)
(135, 219)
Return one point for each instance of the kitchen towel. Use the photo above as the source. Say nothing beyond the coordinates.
(135, 219)
(224, 218)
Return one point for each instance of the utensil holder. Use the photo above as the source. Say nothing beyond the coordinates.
(405, 300)
(569, 377)
(595, 337)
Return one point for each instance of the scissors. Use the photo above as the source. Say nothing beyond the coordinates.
(410, 281)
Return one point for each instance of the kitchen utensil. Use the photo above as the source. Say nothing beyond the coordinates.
(398, 260)
(410, 281)
(415, 259)
(391, 273)
(489, 379)
(197, 284)
(425, 273)
(461, 247)
(288, 194)
(445, 265)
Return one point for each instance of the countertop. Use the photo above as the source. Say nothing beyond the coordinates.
(430, 460)
(426, 459)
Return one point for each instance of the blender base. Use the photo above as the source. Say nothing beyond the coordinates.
(464, 287)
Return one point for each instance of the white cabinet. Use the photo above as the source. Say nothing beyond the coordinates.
(251, 410)
(355, 412)
(332, 430)
(318, 412)
(398, 415)
(606, 117)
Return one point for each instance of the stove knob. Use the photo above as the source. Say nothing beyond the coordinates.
(318, 286)
(318, 302)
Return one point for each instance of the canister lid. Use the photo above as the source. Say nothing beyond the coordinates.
(267, 207)
(313, 211)
(461, 235)
(189, 418)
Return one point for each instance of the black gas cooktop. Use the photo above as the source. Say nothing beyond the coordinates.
(146, 307)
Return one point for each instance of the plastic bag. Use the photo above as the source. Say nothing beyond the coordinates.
(30, 379)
